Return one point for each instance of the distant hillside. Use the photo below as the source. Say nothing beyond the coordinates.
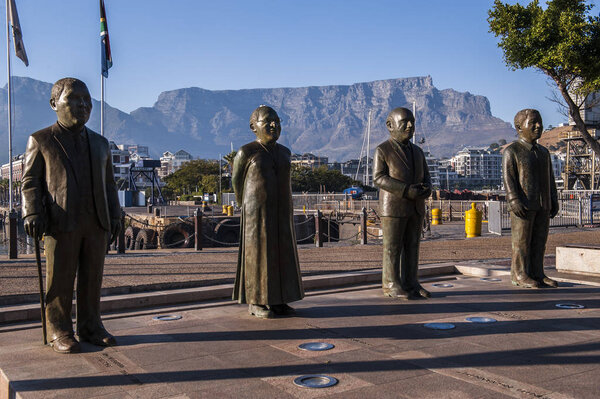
(325, 120)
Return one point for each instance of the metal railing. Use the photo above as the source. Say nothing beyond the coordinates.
(572, 212)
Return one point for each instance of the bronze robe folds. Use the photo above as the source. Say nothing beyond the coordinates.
(268, 270)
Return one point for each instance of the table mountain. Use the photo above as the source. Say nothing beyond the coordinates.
(325, 120)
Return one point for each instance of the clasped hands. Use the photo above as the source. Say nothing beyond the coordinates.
(418, 191)
(521, 211)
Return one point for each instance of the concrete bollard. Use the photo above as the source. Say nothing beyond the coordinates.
(318, 232)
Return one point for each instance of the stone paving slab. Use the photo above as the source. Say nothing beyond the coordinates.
(382, 349)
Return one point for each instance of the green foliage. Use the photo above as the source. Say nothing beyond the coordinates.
(229, 159)
(197, 173)
(305, 179)
(563, 40)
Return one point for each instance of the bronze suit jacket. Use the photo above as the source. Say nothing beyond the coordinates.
(393, 173)
(528, 176)
(49, 186)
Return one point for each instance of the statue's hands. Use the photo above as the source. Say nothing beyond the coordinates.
(518, 209)
(426, 191)
(413, 191)
(554, 210)
(34, 226)
(418, 191)
(115, 229)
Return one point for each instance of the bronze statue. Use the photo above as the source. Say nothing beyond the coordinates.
(69, 195)
(268, 273)
(532, 199)
(400, 171)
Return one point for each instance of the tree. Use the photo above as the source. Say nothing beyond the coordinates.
(563, 41)
(196, 173)
(229, 159)
(314, 180)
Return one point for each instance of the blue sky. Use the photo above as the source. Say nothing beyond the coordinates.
(164, 45)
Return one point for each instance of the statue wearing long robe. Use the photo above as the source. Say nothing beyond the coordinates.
(268, 270)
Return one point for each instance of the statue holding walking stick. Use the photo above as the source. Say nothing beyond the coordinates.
(70, 197)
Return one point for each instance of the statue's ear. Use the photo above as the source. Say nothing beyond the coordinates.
(388, 123)
(53, 104)
(252, 127)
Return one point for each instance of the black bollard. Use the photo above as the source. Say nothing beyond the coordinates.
(121, 236)
(12, 235)
(198, 229)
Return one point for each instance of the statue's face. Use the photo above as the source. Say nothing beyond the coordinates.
(267, 126)
(73, 107)
(531, 128)
(401, 126)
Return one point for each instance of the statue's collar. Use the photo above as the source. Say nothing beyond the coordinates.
(526, 144)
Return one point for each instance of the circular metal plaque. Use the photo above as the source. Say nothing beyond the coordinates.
(316, 346)
(440, 326)
(492, 279)
(167, 317)
(315, 381)
(569, 306)
(443, 285)
(481, 319)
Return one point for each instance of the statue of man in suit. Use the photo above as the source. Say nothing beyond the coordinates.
(400, 171)
(268, 272)
(532, 199)
(69, 195)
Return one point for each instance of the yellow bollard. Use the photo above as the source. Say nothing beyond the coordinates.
(230, 210)
(473, 222)
(436, 216)
(224, 210)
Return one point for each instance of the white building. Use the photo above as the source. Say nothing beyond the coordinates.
(120, 160)
(590, 110)
(171, 162)
(479, 163)
(18, 166)
(434, 165)
(310, 160)
(558, 163)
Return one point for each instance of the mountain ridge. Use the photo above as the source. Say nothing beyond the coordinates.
(326, 120)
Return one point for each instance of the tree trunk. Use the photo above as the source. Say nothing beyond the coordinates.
(574, 112)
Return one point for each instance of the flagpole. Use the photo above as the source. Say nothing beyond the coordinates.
(10, 156)
(102, 104)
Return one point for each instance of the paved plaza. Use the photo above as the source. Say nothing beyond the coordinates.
(382, 348)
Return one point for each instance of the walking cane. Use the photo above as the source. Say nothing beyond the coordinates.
(38, 259)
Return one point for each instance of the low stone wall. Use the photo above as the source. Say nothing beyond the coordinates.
(583, 259)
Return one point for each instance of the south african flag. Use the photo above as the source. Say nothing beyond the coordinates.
(104, 42)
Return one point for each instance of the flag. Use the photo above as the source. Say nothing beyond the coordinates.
(104, 42)
(13, 17)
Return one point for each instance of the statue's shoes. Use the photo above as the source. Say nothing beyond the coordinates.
(261, 311)
(421, 292)
(99, 338)
(398, 293)
(282, 309)
(547, 281)
(66, 344)
(526, 282)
